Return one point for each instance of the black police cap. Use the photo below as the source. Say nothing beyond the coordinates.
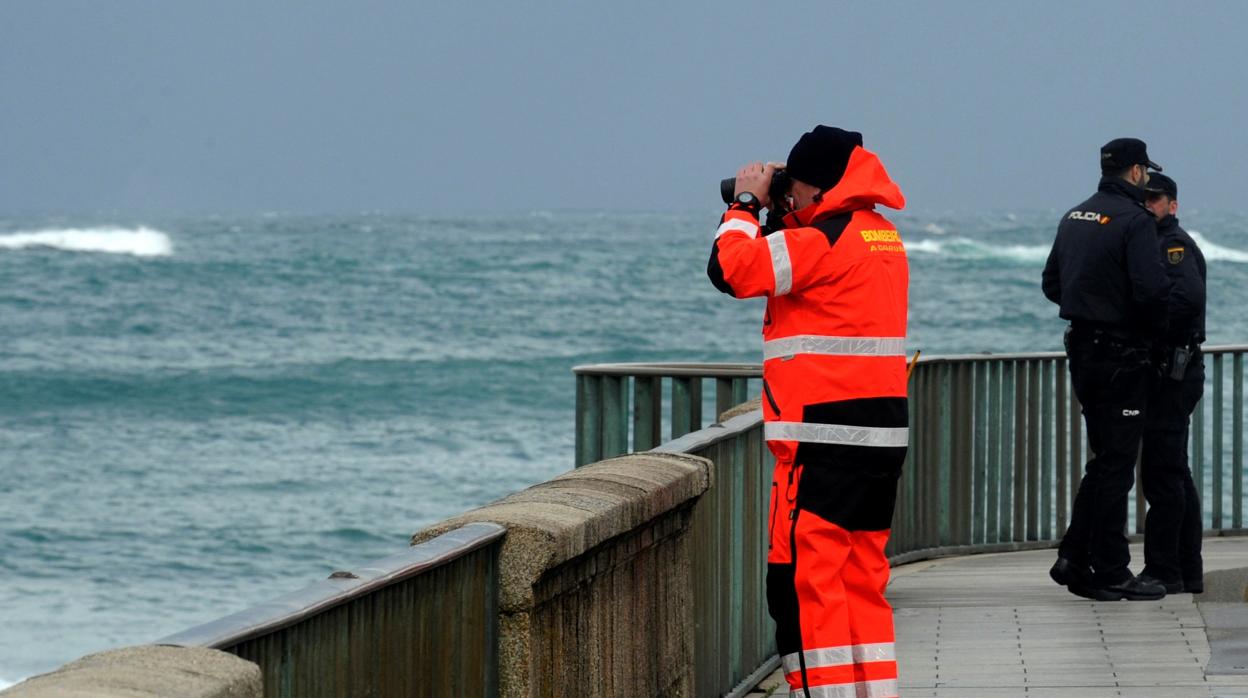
(1160, 184)
(1121, 153)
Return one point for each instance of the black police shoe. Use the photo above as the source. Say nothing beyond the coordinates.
(1133, 589)
(1068, 573)
(1170, 587)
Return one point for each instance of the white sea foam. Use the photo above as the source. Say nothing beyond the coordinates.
(934, 229)
(966, 248)
(141, 242)
(1215, 252)
(928, 246)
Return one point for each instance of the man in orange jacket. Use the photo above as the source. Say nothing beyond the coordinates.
(834, 401)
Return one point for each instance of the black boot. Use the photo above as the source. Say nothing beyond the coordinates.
(1133, 589)
(1068, 573)
(1175, 587)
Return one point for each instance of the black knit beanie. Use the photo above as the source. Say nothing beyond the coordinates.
(821, 155)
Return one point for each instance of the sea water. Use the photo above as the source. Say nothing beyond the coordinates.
(198, 413)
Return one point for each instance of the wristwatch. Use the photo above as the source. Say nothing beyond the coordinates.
(748, 200)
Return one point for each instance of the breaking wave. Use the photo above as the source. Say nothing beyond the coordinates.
(966, 248)
(969, 249)
(1215, 252)
(140, 242)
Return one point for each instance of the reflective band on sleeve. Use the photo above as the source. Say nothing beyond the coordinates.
(807, 432)
(834, 346)
(881, 688)
(780, 262)
(840, 656)
(732, 224)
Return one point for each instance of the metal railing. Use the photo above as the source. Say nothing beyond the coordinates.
(603, 392)
(996, 454)
(423, 622)
(997, 451)
(733, 635)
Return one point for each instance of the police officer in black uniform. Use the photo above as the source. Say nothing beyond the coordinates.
(1172, 529)
(1106, 273)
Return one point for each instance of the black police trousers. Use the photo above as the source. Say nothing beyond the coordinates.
(1172, 530)
(1111, 378)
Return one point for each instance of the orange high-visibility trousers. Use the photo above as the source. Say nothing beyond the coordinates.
(826, 580)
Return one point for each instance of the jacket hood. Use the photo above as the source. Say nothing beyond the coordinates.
(864, 185)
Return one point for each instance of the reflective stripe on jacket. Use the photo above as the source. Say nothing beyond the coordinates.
(836, 279)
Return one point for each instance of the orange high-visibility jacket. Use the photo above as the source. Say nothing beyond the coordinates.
(836, 281)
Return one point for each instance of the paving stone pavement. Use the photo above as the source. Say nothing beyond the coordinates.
(996, 626)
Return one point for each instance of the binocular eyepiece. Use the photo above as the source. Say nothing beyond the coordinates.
(778, 189)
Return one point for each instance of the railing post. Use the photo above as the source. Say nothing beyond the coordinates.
(1217, 441)
(979, 373)
(1022, 441)
(993, 484)
(1046, 450)
(686, 405)
(907, 506)
(1033, 449)
(647, 412)
(740, 390)
(588, 419)
(944, 454)
(1009, 424)
(926, 485)
(964, 475)
(614, 416)
(1237, 440)
(723, 397)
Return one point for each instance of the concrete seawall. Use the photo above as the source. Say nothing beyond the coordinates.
(594, 594)
(147, 671)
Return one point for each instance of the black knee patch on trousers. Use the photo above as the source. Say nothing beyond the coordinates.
(854, 498)
(854, 487)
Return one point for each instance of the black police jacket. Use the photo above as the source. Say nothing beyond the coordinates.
(1185, 265)
(1105, 268)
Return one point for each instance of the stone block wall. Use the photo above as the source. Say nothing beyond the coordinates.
(148, 671)
(594, 593)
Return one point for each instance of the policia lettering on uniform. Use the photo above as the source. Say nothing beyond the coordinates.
(834, 382)
(1107, 276)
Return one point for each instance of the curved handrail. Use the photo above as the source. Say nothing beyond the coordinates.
(695, 369)
(687, 369)
(341, 587)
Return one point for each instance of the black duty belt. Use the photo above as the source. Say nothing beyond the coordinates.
(1092, 329)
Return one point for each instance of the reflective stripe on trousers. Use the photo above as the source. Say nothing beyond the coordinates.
(827, 345)
(885, 437)
(845, 654)
(884, 688)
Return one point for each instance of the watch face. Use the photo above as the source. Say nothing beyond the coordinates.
(747, 198)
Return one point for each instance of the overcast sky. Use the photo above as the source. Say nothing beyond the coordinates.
(417, 106)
